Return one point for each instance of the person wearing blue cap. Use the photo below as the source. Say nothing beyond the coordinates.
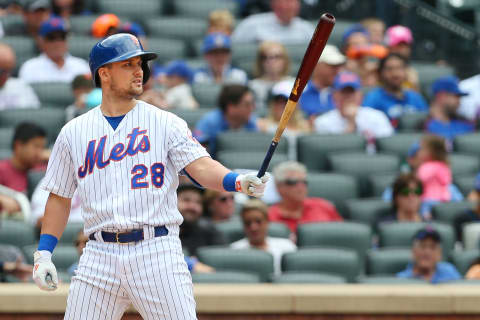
(55, 64)
(178, 95)
(349, 116)
(427, 261)
(217, 54)
(444, 119)
(470, 215)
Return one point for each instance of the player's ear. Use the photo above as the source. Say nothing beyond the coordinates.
(103, 73)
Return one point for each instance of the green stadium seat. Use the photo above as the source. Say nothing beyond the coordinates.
(380, 182)
(387, 261)
(188, 29)
(50, 119)
(54, 93)
(463, 164)
(63, 256)
(467, 144)
(308, 278)
(428, 72)
(412, 122)
(398, 144)
(201, 9)
(463, 259)
(249, 260)
(81, 45)
(33, 179)
(341, 26)
(465, 183)
(17, 233)
(167, 49)
(248, 160)
(139, 11)
(474, 282)
(341, 262)
(296, 52)
(232, 230)
(471, 235)
(367, 211)
(70, 233)
(313, 148)
(82, 24)
(6, 137)
(24, 48)
(241, 52)
(11, 23)
(191, 117)
(278, 230)
(206, 94)
(255, 141)
(447, 212)
(379, 280)
(225, 277)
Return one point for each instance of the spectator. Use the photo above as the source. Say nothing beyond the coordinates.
(427, 256)
(12, 262)
(392, 98)
(470, 104)
(55, 63)
(349, 116)
(66, 8)
(80, 244)
(217, 55)
(272, 65)
(219, 206)
(222, 21)
(82, 85)
(179, 93)
(235, 112)
(375, 28)
(105, 25)
(444, 119)
(135, 29)
(399, 40)
(473, 272)
(294, 207)
(254, 216)
(317, 98)
(195, 231)
(471, 215)
(281, 25)
(355, 36)
(14, 92)
(34, 13)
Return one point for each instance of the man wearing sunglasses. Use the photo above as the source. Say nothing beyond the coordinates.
(55, 64)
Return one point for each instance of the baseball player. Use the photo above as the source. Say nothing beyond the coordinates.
(123, 158)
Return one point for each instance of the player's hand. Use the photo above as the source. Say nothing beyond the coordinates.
(251, 185)
(44, 271)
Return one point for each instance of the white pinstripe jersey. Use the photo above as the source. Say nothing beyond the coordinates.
(127, 177)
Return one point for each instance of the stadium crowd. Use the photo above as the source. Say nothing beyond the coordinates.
(376, 179)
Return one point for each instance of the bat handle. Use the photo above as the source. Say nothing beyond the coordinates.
(266, 160)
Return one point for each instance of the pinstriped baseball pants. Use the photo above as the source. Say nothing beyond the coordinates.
(150, 274)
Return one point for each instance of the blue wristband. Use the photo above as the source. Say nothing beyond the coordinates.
(229, 181)
(47, 242)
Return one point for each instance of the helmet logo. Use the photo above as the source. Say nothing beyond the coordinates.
(135, 40)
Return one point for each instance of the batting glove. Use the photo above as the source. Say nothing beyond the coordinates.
(251, 185)
(44, 271)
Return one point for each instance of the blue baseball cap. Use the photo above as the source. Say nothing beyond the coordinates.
(51, 25)
(133, 28)
(346, 79)
(477, 182)
(447, 84)
(179, 68)
(216, 40)
(354, 29)
(427, 232)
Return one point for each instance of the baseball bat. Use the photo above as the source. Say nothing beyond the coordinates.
(310, 59)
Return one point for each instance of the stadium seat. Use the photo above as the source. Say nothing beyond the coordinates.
(412, 122)
(225, 277)
(206, 94)
(463, 259)
(367, 211)
(254, 141)
(346, 235)
(82, 24)
(6, 137)
(341, 262)
(446, 212)
(341, 26)
(50, 119)
(11, 22)
(167, 49)
(33, 178)
(232, 230)
(467, 144)
(379, 280)
(398, 144)
(54, 93)
(247, 160)
(465, 183)
(278, 230)
(400, 234)
(241, 52)
(70, 233)
(124, 8)
(296, 52)
(475, 282)
(463, 164)
(187, 29)
(313, 148)
(380, 182)
(63, 256)
(428, 72)
(24, 48)
(191, 117)
(81, 45)
(201, 9)
(5, 153)
(249, 260)
(387, 261)
(308, 278)
(17, 233)
(471, 235)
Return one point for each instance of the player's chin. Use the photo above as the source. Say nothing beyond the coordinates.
(136, 91)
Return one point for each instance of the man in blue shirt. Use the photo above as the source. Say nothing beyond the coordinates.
(235, 112)
(444, 119)
(427, 256)
(392, 98)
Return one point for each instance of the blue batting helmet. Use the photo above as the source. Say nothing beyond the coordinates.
(118, 47)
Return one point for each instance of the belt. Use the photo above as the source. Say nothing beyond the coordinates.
(128, 236)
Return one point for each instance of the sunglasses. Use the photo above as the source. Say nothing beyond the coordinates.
(225, 198)
(293, 182)
(406, 191)
(272, 57)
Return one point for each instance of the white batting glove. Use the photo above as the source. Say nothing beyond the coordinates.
(251, 185)
(44, 271)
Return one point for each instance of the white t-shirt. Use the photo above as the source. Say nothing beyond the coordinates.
(42, 69)
(369, 122)
(470, 105)
(275, 246)
(266, 26)
(16, 94)
(180, 97)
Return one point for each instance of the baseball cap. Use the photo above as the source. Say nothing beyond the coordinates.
(354, 29)
(477, 182)
(32, 5)
(179, 68)
(216, 40)
(133, 28)
(103, 23)
(346, 79)
(427, 232)
(398, 34)
(332, 56)
(282, 89)
(52, 25)
(447, 84)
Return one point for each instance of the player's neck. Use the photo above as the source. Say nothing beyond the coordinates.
(116, 106)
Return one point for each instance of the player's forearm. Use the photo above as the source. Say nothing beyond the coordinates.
(208, 172)
(56, 214)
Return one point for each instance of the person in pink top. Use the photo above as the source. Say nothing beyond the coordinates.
(434, 171)
(295, 207)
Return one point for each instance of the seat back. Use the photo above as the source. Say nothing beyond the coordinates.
(387, 261)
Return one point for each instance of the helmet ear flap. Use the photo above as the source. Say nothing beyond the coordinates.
(97, 80)
(146, 71)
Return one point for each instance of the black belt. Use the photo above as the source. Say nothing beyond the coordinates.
(129, 236)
